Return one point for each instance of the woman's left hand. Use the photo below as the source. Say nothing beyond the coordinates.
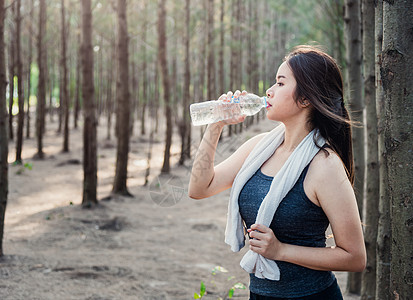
(263, 241)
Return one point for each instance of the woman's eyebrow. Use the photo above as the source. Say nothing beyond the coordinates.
(280, 76)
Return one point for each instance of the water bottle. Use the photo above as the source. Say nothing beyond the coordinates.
(217, 110)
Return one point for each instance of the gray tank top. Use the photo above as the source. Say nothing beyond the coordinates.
(297, 221)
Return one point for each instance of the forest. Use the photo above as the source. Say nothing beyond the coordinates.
(97, 145)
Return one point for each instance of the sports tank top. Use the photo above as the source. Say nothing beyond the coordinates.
(297, 221)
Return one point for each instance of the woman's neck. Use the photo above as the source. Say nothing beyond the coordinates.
(294, 134)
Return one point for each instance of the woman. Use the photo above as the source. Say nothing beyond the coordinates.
(307, 97)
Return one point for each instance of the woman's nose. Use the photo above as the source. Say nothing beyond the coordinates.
(269, 93)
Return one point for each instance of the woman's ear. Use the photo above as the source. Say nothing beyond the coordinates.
(304, 102)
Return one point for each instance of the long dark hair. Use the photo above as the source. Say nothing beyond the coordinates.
(319, 81)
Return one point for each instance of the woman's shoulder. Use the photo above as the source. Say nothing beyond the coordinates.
(327, 166)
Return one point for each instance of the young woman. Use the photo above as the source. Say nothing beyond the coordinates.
(307, 96)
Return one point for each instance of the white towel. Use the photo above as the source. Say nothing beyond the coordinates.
(282, 183)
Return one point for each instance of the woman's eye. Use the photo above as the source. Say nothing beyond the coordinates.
(280, 83)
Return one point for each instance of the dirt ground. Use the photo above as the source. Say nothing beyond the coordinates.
(159, 244)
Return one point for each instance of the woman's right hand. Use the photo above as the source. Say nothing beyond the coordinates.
(227, 98)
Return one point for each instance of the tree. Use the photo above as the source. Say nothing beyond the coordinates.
(384, 225)
(162, 51)
(144, 70)
(123, 104)
(41, 93)
(4, 151)
(397, 79)
(185, 126)
(12, 67)
(355, 100)
(20, 122)
(77, 97)
(211, 93)
(368, 288)
(29, 68)
(89, 129)
(65, 92)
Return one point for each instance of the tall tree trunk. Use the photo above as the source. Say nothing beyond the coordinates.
(65, 83)
(165, 79)
(185, 125)
(368, 288)
(397, 78)
(203, 36)
(29, 68)
(354, 80)
(109, 100)
(41, 93)
(78, 60)
(384, 224)
(211, 93)
(134, 95)
(12, 67)
(144, 100)
(233, 55)
(156, 93)
(123, 104)
(4, 183)
(221, 81)
(89, 109)
(20, 123)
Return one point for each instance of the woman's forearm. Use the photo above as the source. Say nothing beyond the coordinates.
(323, 259)
(203, 166)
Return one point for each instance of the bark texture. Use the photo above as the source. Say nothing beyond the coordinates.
(384, 223)
(41, 93)
(397, 79)
(368, 284)
(355, 100)
(162, 52)
(89, 109)
(4, 150)
(123, 103)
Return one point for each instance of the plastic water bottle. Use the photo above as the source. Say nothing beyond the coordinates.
(217, 110)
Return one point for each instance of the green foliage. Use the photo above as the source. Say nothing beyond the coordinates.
(22, 168)
(34, 78)
(202, 291)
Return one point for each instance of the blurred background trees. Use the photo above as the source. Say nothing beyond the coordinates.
(80, 63)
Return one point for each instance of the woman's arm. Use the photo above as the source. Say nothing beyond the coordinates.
(207, 180)
(336, 197)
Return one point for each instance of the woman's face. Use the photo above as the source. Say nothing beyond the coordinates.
(281, 96)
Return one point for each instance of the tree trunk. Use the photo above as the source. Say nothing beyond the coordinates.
(4, 183)
(65, 83)
(211, 93)
(12, 66)
(109, 100)
(78, 60)
(397, 80)
(123, 104)
(384, 224)
(162, 51)
(134, 96)
(20, 123)
(89, 109)
(221, 81)
(233, 54)
(354, 80)
(368, 288)
(185, 126)
(41, 93)
(156, 97)
(29, 68)
(144, 100)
